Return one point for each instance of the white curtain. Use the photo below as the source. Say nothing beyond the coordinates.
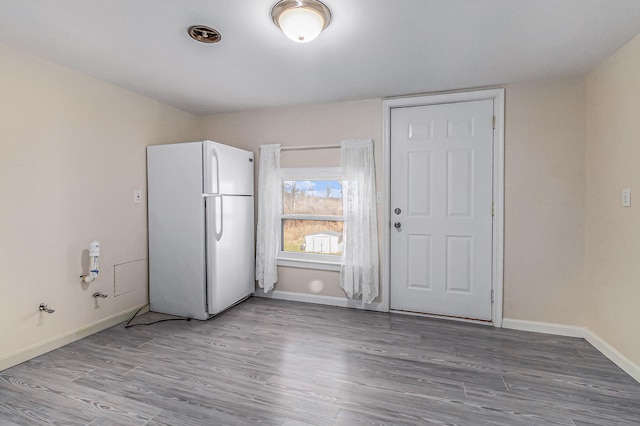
(269, 205)
(359, 265)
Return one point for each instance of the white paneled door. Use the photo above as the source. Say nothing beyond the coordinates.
(441, 209)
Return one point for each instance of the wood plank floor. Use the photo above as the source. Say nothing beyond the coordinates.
(285, 363)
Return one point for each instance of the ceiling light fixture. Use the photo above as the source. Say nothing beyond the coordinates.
(301, 20)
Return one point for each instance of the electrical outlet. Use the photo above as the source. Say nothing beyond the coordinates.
(137, 196)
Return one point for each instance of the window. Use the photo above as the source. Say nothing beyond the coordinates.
(312, 219)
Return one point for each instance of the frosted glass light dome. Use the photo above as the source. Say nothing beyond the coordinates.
(301, 24)
(301, 20)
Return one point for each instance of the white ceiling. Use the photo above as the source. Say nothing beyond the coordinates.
(372, 48)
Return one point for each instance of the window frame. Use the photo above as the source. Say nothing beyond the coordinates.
(327, 262)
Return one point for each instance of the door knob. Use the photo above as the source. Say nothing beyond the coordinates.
(397, 210)
(397, 225)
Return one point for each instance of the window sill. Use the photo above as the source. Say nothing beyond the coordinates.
(309, 264)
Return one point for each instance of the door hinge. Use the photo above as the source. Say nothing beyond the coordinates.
(493, 210)
(491, 296)
(493, 122)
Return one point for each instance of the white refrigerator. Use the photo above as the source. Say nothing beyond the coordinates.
(201, 240)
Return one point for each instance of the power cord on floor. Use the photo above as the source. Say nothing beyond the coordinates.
(129, 325)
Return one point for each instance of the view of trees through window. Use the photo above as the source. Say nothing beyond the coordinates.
(319, 201)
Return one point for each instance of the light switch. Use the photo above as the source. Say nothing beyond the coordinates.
(626, 197)
(379, 197)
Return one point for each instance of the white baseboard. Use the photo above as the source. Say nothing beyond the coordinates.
(319, 299)
(40, 348)
(596, 341)
(544, 327)
(612, 353)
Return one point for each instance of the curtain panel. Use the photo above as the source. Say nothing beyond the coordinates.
(269, 203)
(359, 268)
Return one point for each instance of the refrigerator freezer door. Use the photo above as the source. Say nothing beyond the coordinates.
(230, 251)
(176, 230)
(227, 170)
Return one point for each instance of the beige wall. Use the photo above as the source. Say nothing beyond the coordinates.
(545, 201)
(305, 125)
(72, 151)
(613, 231)
(545, 175)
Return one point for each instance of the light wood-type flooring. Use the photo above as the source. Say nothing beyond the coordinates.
(285, 363)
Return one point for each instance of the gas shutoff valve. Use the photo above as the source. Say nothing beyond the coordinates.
(45, 308)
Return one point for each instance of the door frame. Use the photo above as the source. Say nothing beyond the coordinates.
(497, 96)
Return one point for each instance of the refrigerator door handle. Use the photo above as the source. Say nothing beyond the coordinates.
(214, 206)
(219, 217)
(211, 170)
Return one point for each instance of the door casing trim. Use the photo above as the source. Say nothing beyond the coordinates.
(495, 94)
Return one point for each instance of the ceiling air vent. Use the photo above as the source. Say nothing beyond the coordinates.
(204, 34)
